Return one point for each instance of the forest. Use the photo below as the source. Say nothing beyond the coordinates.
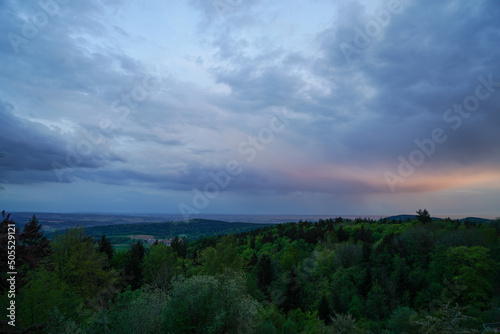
(335, 275)
(192, 229)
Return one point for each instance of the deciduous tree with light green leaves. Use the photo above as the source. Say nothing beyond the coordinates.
(210, 304)
(160, 265)
(223, 257)
(473, 268)
(79, 265)
(42, 293)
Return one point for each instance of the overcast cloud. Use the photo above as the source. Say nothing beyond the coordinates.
(319, 107)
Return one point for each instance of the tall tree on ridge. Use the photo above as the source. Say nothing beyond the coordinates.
(33, 245)
(423, 216)
(105, 247)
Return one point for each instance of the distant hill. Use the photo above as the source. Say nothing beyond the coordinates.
(55, 221)
(476, 220)
(405, 217)
(192, 229)
(471, 219)
(402, 217)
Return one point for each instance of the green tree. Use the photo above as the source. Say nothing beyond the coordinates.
(342, 235)
(402, 321)
(254, 260)
(134, 266)
(44, 292)
(104, 246)
(423, 216)
(377, 303)
(448, 319)
(264, 272)
(271, 319)
(356, 307)
(161, 264)
(33, 245)
(208, 304)
(78, 264)
(293, 292)
(223, 257)
(366, 283)
(347, 255)
(290, 327)
(324, 311)
(139, 311)
(59, 324)
(473, 268)
(344, 324)
(343, 289)
(179, 245)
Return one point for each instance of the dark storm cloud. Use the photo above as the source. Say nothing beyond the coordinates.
(420, 70)
(347, 114)
(396, 90)
(26, 145)
(61, 53)
(60, 72)
(30, 149)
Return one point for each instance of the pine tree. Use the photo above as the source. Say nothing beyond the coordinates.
(179, 245)
(342, 235)
(33, 245)
(105, 247)
(254, 260)
(366, 284)
(134, 265)
(293, 293)
(264, 272)
(324, 311)
(366, 251)
(252, 242)
(423, 216)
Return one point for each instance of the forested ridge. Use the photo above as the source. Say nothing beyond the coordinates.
(331, 276)
(191, 229)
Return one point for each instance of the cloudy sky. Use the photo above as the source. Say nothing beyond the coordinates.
(234, 106)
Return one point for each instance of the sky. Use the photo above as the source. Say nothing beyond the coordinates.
(250, 107)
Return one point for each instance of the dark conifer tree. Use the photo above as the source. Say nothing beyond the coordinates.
(423, 216)
(293, 293)
(279, 248)
(105, 247)
(337, 306)
(324, 311)
(366, 283)
(264, 272)
(366, 252)
(254, 260)
(179, 246)
(33, 245)
(134, 264)
(342, 235)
